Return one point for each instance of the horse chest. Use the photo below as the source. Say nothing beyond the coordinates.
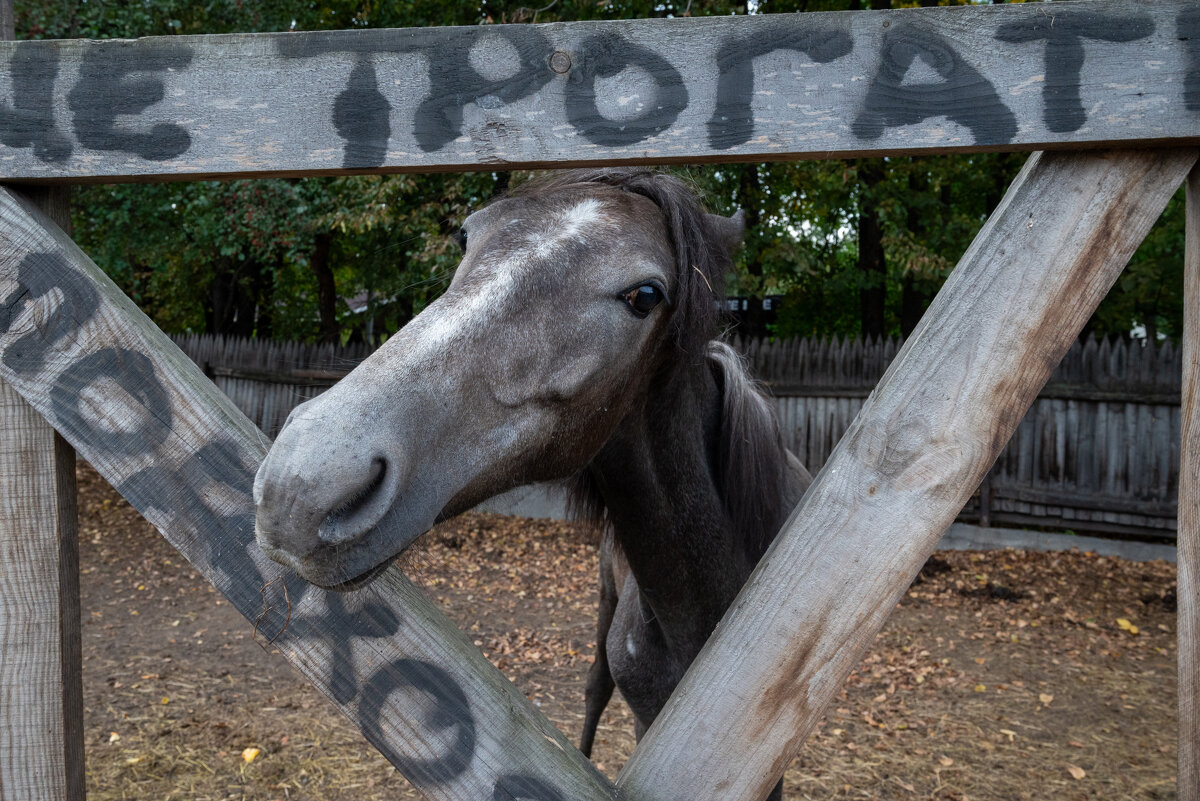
(645, 666)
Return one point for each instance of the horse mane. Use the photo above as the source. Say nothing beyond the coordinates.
(703, 254)
(752, 459)
(752, 462)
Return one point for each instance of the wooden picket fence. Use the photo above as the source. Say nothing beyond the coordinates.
(82, 369)
(1098, 451)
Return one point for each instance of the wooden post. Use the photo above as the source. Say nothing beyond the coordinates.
(1188, 628)
(41, 716)
(41, 653)
(915, 453)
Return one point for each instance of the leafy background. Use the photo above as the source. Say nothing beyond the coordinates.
(853, 247)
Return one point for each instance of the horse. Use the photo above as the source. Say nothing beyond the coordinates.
(576, 341)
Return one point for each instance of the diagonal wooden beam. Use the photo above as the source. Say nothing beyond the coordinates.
(1188, 628)
(915, 453)
(80, 353)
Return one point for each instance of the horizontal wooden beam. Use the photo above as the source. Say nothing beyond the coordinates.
(140, 411)
(918, 449)
(771, 87)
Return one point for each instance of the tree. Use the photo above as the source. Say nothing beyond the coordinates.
(855, 247)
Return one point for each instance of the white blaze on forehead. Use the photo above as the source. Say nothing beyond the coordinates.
(470, 307)
(497, 279)
(568, 225)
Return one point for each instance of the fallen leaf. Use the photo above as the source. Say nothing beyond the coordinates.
(113, 737)
(1076, 771)
(979, 688)
(946, 761)
(249, 755)
(1046, 698)
(1125, 625)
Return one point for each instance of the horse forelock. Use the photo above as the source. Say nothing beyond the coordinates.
(700, 255)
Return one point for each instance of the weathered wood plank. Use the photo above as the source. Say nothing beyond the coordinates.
(41, 658)
(146, 417)
(1188, 628)
(916, 452)
(814, 85)
(41, 690)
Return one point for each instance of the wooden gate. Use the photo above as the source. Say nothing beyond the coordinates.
(81, 365)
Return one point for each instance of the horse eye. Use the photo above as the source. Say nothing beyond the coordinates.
(461, 239)
(642, 299)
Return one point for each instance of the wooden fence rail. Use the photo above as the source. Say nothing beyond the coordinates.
(1098, 451)
(765, 87)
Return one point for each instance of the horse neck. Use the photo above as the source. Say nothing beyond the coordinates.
(657, 478)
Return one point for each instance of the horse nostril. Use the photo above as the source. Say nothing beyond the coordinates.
(363, 507)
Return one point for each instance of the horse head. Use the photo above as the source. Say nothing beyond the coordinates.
(573, 294)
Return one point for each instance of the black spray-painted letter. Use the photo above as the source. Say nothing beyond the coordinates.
(29, 120)
(1064, 31)
(454, 82)
(517, 787)
(451, 713)
(106, 91)
(1188, 31)
(732, 122)
(963, 95)
(39, 275)
(361, 111)
(605, 55)
(360, 115)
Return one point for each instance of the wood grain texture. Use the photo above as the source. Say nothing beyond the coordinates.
(1188, 630)
(150, 422)
(41, 656)
(41, 699)
(916, 452)
(767, 87)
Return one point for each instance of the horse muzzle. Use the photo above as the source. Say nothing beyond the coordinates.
(334, 505)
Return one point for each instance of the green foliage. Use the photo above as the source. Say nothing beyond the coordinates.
(242, 256)
(1150, 291)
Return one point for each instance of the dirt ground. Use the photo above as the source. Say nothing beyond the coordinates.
(1005, 675)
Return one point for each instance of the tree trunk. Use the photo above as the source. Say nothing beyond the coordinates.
(326, 290)
(914, 298)
(749, 198)
(871, 261)
(220, 295)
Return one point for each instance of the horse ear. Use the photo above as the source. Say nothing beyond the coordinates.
(728, 231)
